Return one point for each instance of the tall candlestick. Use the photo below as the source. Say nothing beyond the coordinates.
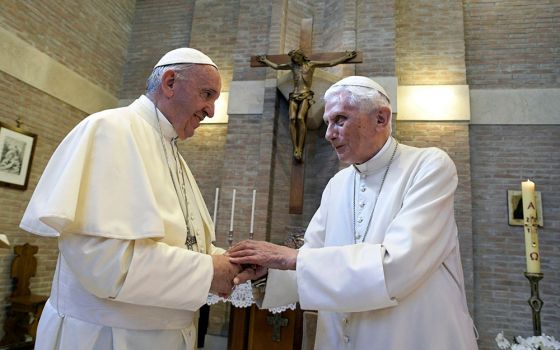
(530, 226)
(252, 215)
(215, 207)
(232, 211)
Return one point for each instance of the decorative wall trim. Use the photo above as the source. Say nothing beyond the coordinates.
(246, 97)
(433, 102)
(26, 63)
(515, 106)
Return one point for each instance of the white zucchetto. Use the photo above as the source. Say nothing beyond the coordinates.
(356, 80)
(185, 55)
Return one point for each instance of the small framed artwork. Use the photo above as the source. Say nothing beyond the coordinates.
(515, 208)
(16, 153)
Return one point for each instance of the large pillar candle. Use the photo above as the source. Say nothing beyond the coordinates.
(530, 226)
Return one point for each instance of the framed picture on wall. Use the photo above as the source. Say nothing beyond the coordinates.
(515, 208)
(16, 153)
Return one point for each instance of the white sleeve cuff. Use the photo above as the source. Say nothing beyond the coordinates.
(167, 276)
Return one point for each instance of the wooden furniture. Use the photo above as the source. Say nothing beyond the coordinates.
(255, 329)
(23, 315)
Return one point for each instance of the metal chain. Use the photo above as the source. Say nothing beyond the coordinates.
(190, 240)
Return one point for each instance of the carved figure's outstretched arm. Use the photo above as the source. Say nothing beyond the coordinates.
(348, 55)
(263, 59)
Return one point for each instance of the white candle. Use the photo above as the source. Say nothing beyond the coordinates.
(530, 226)
(215, 206)
(253, 213)
(232, 211)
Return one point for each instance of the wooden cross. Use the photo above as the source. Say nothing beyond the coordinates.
(301, 97)
(276, 321)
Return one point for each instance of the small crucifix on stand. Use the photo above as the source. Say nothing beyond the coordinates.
(302, 64)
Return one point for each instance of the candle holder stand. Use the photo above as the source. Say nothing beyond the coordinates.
(535, 301)
(230, 238)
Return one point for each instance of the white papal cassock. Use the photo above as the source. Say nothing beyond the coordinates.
(402, 288)
(124, 278)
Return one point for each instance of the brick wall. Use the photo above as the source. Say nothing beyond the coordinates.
(502, 157)
(512, 43)
(50, 120)
(217, 36)
(430, 42)
(297, 10)
(501, 45)
(254, 37)
(88, 37)
(376, 37)
(158, 27)
(332, 25)
(453, 138)
(204, 153)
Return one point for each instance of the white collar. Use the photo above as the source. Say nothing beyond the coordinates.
(378, 161)
(148, 113)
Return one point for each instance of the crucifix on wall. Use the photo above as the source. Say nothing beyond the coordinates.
(302, 64)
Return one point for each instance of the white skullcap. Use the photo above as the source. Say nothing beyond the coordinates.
(363, 82)
(184, 55)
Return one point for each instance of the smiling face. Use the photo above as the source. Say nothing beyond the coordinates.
(356, 135)
(191, 95)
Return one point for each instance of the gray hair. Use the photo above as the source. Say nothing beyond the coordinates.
(154, 80)
(366, 99)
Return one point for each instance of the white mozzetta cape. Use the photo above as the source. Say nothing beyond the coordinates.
(403, 287)
(108, 186)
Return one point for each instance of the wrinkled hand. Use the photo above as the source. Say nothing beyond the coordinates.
(266, 254)
(224, 273)
(261, 58)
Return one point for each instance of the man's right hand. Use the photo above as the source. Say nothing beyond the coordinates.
(224, 273)
(250, 273)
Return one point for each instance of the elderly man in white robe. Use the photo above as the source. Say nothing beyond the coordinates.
(381, 259)
(135, 238)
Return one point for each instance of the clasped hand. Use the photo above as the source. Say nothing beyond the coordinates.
(228, 274)
(224, 273)
(249, 260)
(258, 256)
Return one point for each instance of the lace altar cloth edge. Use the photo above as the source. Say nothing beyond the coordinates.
(242, 296)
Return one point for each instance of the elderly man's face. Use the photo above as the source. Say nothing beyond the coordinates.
(356, 136)
(193, 99)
